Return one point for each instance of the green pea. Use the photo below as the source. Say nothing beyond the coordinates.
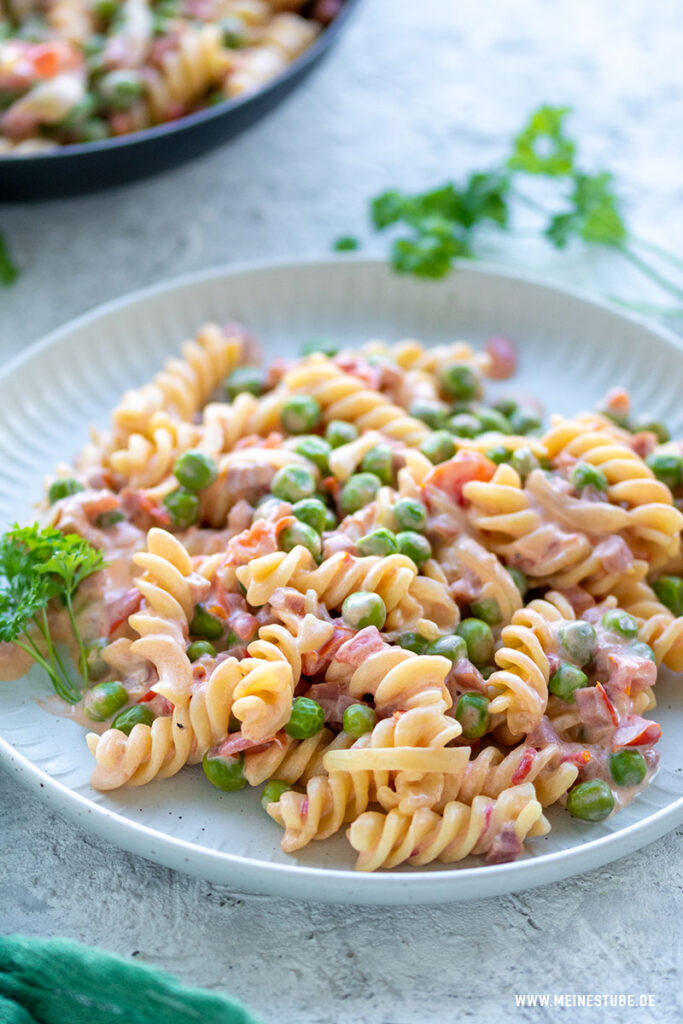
(105, 520)
(669, 590)
(358, 491)
(525, 421)
(330, 519)
(104, 700)
(307, 719)
(479, 640)
(459, 381)
(472, 711)
(493, 420)
(195, 470)
(63, 488)
(300, 413)
(78, 114)
(272, 791)
(487, 670)
(363, 609)
(226, 773)
(415, 546)
(627, 767)
(316, 450)
(655, 427)
(519, 579)
(292, 483)
(312, 512)
(106, 9)
(121, 89)
(206, 625)
(590, 801)
(323, 345)
(199, 648)
(358, 719)
(507, 406)
(96, 665)
(438, 447)
(94, 130)
(243, 379)
(339, 432)
(578, 640)
(380, 542)
(410, 514)
(300, 534)
(232, 33)
(470, 408)
(585, 475)
(523, 461)
(414, 642)
(464, 425)
(127, 719)
(620, 622)
(380, 461)
(499, 454)
(452, 647)
(432, 413)
(565, 680)
(643, 650)
(667, 467)
(488, 610)
(183, 508)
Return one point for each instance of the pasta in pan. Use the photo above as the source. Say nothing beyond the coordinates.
(401, 606)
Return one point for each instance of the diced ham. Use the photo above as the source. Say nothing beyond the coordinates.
(625, 669)
(635, 731)
(235, 743)
(579, 599)
(644, 443)
(506, 846)
(316, 662)
(358, 367)
(332, 700)
(595, 713)
(142, 510)
(259, 539)
(336, 542)
(524, 767)
(464, 677)
(361, 645)
(615, 554)
(451, 476)
(273, 440)
(121, 607)
(503, 355)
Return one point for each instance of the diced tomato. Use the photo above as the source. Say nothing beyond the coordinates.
(331, 484)
(577, 757)
(503, 357)
(524, 767)
(450, 477)
(635, 731)
(611, 710)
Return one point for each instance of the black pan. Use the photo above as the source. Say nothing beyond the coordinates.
(88, 167)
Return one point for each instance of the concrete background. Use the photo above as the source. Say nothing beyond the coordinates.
(413, 94)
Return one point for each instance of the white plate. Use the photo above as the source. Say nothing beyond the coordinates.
(572, 349)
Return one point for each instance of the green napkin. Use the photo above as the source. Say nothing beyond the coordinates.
(56, 981)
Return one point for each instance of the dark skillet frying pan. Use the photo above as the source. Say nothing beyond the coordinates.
(87, 167)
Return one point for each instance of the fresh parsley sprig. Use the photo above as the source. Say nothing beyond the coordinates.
(446, 222)
(37, 566)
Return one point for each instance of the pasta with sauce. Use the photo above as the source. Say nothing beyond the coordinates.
(400, 605)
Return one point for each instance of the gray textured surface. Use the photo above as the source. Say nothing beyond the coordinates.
(414, 92)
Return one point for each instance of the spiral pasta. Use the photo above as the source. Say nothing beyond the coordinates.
(423, 637)
(387, 840)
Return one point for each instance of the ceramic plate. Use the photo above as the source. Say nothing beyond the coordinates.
(572, 349)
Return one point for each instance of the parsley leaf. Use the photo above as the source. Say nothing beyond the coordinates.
(542, 146)
(36, 565)
(593, 215)
(347, 243)
(8, 271)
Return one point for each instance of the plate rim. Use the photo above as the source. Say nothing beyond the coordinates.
(338, 884)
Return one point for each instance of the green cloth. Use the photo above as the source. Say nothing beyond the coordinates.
(56, 981)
